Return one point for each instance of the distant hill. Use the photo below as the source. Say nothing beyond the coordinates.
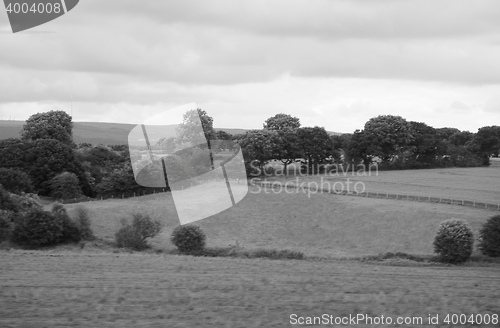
(98, 133)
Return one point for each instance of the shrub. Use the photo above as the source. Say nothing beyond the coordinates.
(134, 235)
(127, 237)
(65, 186)
(276, 255)
(489, 237)
(145, 226)
(70, 230)
(26, 202)
(15, 181)
(6, 226)
(37, 228)
(6, 201)
(82, 220)
(188, 238)
(454, 241)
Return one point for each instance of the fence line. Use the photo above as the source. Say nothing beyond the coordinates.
(428, 199)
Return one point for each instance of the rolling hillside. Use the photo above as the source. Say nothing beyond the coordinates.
(96, 132)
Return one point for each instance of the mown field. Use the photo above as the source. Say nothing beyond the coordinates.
(98, 286)
(67, 289)
(480, 184)
(316, 224)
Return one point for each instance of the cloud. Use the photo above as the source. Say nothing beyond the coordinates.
(224, 42)
(493, 104)
(459, 106)
(332, 63)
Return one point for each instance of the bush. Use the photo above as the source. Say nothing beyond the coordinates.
(37, 228)
(6, 226)
(145, 226)
(26, 202)
(15, 181)
(275, 254)
(82, 220)
(65, 186)
(454, 241)
(489, 237)
(188, 238)
(134, 235)
(6, 201)
(70, 230)
(127, 237)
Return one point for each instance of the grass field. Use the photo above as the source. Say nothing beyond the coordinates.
(98, 286)
(67, 289)
(481, 184)
(320, 225)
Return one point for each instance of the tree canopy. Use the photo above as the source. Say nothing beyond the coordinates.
(281, 122)
(55, 125)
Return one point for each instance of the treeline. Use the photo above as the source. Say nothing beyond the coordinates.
(44, 160)
(390, 141)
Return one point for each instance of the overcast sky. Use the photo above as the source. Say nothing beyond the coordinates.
(331, 63)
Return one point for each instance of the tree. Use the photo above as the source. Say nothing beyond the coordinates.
(389, 136)
(15, 181)
(426, 145)
(486, 143)
(6, 201)
(223, 135)
(461, 138)
(315, 147)
(65, 186)
(287, 148)
(50, 125)
(259, 147)
(356, 147)
(446, 133)
(13, 154)
(281, 122)
(46, 158)
(189, 130)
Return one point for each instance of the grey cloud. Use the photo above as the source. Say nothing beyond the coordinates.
(141, 50)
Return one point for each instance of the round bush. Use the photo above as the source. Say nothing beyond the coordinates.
(188, 238)
(65, 186)
(454, 241)
(489, 237)
(37, 228)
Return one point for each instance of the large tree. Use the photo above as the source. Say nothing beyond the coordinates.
(259, 147)
(282, 122)
(56, 125)
(426, 144)
(389, 136)
(190, 131)
(315, 147)
(48, 157)
(356, 148)
(486, 143)
(287, 146)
